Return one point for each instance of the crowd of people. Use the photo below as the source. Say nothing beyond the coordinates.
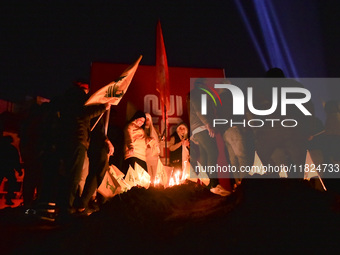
(66, 150)
(55, 143)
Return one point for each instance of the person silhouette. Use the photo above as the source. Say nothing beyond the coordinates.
(9, 162)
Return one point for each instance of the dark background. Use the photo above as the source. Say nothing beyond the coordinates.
(45, 45)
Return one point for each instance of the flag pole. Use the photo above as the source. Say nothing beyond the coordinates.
(165, 137)
(95, 124)
(107, 120)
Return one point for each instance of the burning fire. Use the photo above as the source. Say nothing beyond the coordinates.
(174, 180)
(157, 181)
(177, 177)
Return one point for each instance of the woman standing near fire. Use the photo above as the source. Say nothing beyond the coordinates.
(179, 147)
(135, 142)
(152, 149)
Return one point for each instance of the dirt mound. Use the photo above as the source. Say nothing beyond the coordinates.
(261, 215)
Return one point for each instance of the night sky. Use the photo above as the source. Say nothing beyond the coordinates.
(45, 45)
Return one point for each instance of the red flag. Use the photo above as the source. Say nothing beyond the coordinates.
(162, 72)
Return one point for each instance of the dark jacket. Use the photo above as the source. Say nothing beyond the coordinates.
(83, 127)
(98, 137)
(176, 155)
(75, 118)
